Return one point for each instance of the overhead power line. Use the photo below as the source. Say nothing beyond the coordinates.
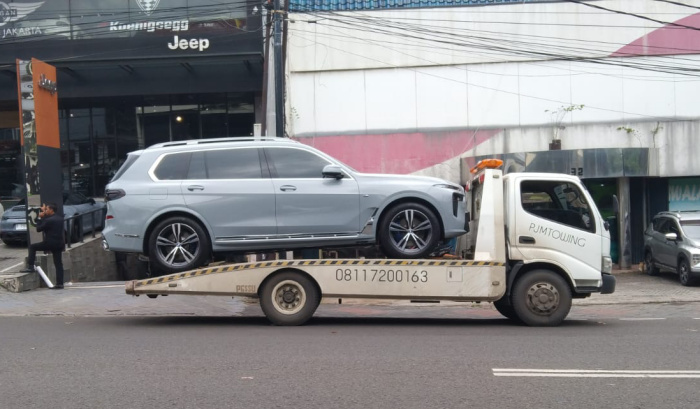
(666, 23)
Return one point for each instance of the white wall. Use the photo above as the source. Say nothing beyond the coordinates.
(487, 96)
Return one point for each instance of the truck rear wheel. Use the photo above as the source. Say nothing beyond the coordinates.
(541, 298)
(289, 298)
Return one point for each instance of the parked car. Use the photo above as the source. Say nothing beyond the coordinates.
(672, 242)
(13, 226)
(182, 202)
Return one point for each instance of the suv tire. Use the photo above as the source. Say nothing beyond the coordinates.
(684, 272)
(649, 265)
(178, 244)
(409, 230)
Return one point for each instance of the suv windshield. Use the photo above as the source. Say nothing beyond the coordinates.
(691, 228)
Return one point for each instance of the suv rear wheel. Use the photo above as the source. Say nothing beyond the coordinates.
(649, 265)
(178, 244)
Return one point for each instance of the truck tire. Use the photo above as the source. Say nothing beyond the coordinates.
(178, 244)
(541, 298)
(409, 230)
(289, 298)
(506, 308)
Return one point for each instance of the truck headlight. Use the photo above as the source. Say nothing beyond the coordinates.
(606, 265)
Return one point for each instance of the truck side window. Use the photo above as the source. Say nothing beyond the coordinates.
(560, 202)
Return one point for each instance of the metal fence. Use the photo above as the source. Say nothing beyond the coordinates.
(75, 221)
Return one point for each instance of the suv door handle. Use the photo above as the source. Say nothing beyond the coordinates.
(192, 188)
(526, 240)
(288, 188)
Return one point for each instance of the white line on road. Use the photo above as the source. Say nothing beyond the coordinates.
(95, 286)
(11, 267)
(593, 373)
(641, 319)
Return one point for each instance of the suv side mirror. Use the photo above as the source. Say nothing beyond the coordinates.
(671, 236)
(333, 171)
(91, 201)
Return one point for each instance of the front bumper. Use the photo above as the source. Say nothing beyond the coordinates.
(609, 282)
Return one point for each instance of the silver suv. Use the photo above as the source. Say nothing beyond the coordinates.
(183, 203)
(672, 242)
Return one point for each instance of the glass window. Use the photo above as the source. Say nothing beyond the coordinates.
(691, 228)
(74, 198)
(80, 153)
(197, 168)
(103, 19)
(293, 163)
(559, 202)
(173, 166)
(233, 164)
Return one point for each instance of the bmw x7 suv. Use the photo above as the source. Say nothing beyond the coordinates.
(182, 203)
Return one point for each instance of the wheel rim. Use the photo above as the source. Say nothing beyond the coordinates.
(411, 231)
(177, 244)
(543, 298)
(288, 297)
(684, 272)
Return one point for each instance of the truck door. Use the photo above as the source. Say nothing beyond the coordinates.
(555, 223)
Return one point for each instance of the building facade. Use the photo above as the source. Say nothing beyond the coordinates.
(131, 73)
(605, 90)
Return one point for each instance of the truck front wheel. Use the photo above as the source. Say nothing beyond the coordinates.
(289, 298)
(541, 298)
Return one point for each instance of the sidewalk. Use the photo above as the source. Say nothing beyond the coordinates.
(104, 299)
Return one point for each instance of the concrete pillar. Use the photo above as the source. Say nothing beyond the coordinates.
(624, 219)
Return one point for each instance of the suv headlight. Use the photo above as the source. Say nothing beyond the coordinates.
(606, 265)
(446, 186)
(696, 259)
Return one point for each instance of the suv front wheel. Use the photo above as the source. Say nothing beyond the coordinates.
(409, 230)
(684, 272)
(178, 244)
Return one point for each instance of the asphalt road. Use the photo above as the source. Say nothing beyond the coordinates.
(341, 360)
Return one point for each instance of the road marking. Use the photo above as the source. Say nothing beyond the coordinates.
(95, 286)
(593, 373)
(11, 267)
(641, 319)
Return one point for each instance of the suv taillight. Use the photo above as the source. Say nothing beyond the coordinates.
(114, 194)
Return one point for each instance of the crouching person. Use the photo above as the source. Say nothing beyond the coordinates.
(51, 225)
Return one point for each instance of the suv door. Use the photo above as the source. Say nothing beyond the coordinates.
(554, 223)
(667, 249)
(228, 189)
(308, 203)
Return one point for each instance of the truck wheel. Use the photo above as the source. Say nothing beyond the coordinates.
(505, 308)
(178, 244)
(289, 298)
(541, 298)
(684, 272)
(649, 265)
(409, 230)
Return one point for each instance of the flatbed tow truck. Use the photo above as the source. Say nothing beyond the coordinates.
(538, 241)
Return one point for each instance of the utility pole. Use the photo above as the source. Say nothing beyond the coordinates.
(279, 75)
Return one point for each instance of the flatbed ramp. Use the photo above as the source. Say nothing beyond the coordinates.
(290, 290)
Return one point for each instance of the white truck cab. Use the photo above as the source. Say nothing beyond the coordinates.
(536, 242)
(552, 230)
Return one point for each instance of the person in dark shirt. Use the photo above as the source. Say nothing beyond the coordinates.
(51, 224)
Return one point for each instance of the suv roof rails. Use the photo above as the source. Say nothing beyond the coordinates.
(678, 213)
(217, 140)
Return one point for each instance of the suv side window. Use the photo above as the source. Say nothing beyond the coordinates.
(560, 202)
(173, 166)
(292, 163)
(241, 163)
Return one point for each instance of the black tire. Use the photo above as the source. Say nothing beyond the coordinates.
(506, 309)
(649, 265)
(409, 230)
(289, 298)
(178, 244)
(684, 274)
(541, 298)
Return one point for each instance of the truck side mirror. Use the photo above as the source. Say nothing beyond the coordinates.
(616, 205)
(606, 225)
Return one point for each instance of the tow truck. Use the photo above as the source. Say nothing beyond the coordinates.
(536, 242)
